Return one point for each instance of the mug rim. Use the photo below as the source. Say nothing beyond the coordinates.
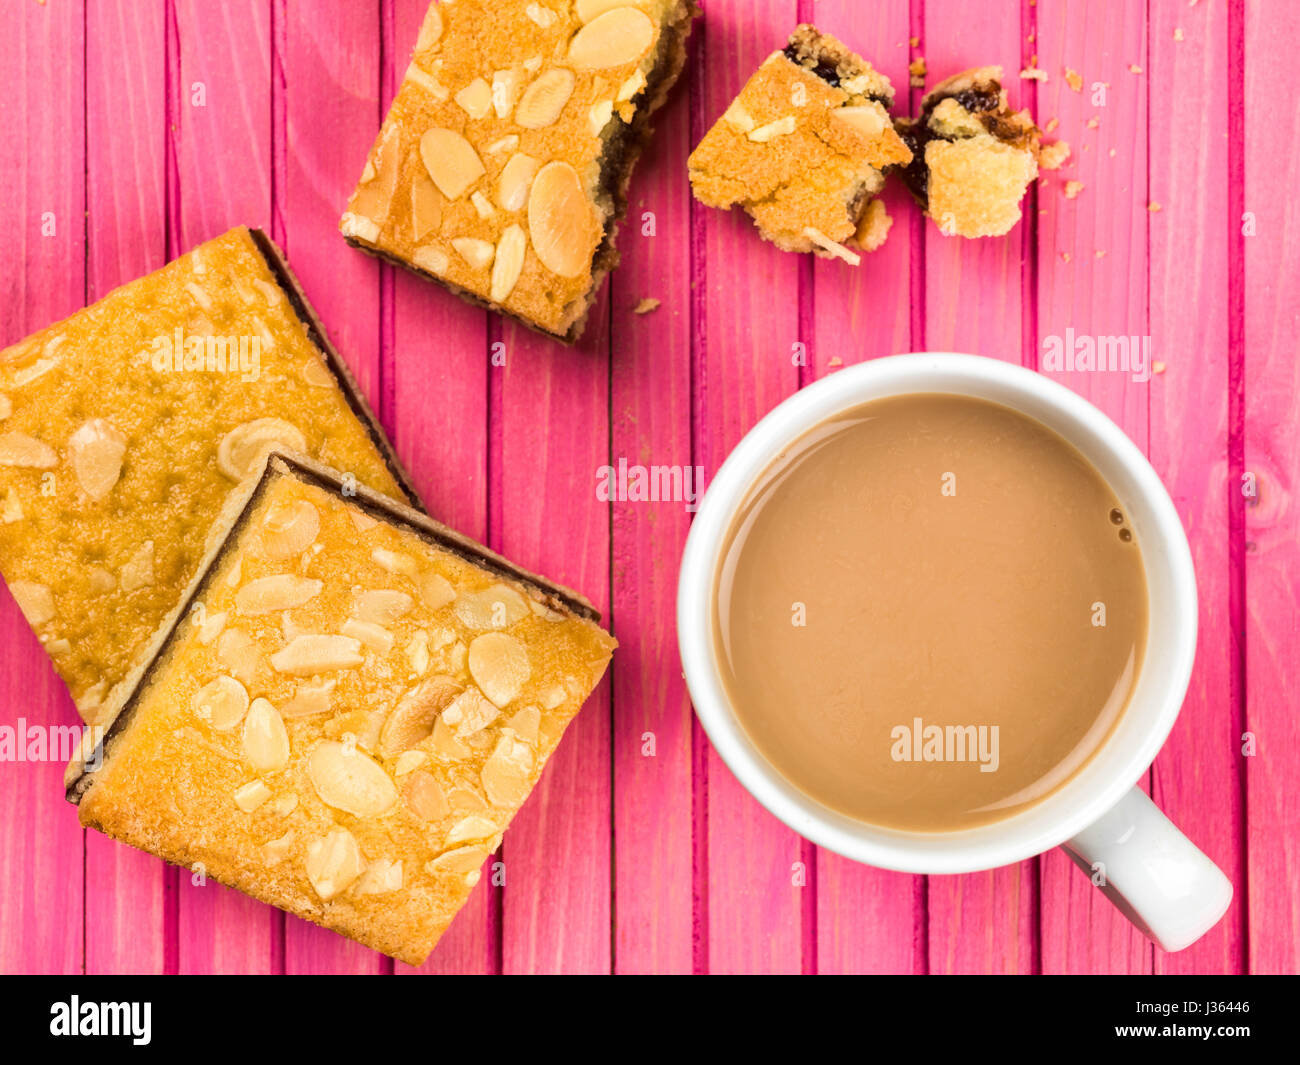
(1028, 832)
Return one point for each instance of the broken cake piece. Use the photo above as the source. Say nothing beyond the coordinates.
(345, 712)
(804, 148)
(124, 427)
(972, 156)
(502, 168)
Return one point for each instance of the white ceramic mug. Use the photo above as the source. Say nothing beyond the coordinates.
(1151, 871)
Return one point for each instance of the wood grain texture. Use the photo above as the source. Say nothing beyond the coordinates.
(1269, 247)
(1189, 431)
(41, 850)
(147, 126)
(126, 231)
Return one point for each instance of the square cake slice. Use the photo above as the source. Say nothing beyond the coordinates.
(501, 170)
(346, 711)
(972, 156)
(804, 149)
(125, 426)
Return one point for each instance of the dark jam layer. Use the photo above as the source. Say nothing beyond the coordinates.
(825, 68)
(983, 102)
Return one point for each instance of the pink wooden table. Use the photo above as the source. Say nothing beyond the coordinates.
(135, 129)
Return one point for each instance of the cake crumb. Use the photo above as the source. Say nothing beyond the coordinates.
(1052, 123)
(1112, 153)
(835, 362)
(1093, 122)
(1153, 207)
(1133, 68)
(916, 71)
(1065, 256)
(1072, 189)
(1100, 253)
(1157, 367)
(1032, 73)
(1178, 33)
(874, 228)
(1074, 79)
(914, 41)
(1052, 156)
(646, 306)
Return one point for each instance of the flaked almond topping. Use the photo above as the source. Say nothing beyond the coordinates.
(137, 571)
(417, 653)
(870, 121)
(426, 207)
(417, 75)
(12, 509)
(451, 161)
(277, 850)
(284, 591)
(516, 177)
(499, 665)
(430, 30)
(381, 606)
(424, 797)
(599, 117)
(526, 724)
(306, 656)
(782, 127)
(409, 761)
(19, 449)
(289, 528)
(284, 804)
(469, 713)
(509, 263)
(394, 562)
(413, 718)
(507, 143)
(477, 253)
(350, 781)
(251, 796)
(482, 205)
(381, 877)
(36, 601)
(435, 590)
(60, 646)
(374, 198)
(101, 580)
(266, 743)
(211, 627)
(631, 86)
(96, 450)
(376, 637)
(561, 221)
(495, 607)
(590, 9)
(475, 98)
(465, 800)
(6, 407)
(533, 64)
(553, 697)
(458, 862)
(826, 244)
(506, 85)
(242, 449)
(621, 35)
(445, 744)
(544, 17)
(432, 259)
(239, 654)
(316, 373)
(309, 700)
(505, 774)
(361, 521)
(333, 863)
(359, 726)
(544, 100)
(222, 703)
(471, 829)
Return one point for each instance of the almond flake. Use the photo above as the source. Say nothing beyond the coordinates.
(381, 877)
(516, 178)
(424, 797)
(251, 796)
(381, 606)
(266, 743)
(211, 627)
(289, 528)
(826, 244)
(242, 449)
(96, 450)
(496, 607)
(36, 601)
(430, 30)
(19, 449)
(621, 35)
(631, 86)
(394, 562)
(499, 665)
(482, 205)
(431, 259)
(277, 850)
(348, 780)
(412, 720)
(561, 220)
(459, 861)
(475, 98)
(505, 774)
(600, 116)
(470, 713)
(333, 863)
(137, 571)
(782, 127)
(526, 724)
(471, 829)
(309, 700)
(509, 263)
(544, 17)
(544, 100)
(587, 10)
(284, 591)
(506, 86)
(477, 253)
(376, 637)
(507, 143)
(451, 161)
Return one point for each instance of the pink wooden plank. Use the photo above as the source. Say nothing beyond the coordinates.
(1198, 779)
(126, 129)
(41, 852)
(867, 919)
(434, 402)
(219, 103)
(327, 59)
(1270, 273)
(551, 434)
(974, 303)
(747, 328)
(651, 425)
(1092, 295)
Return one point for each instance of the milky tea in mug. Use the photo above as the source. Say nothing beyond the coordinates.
(930, 612)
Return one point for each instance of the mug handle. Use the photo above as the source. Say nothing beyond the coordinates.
(1158, 878)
